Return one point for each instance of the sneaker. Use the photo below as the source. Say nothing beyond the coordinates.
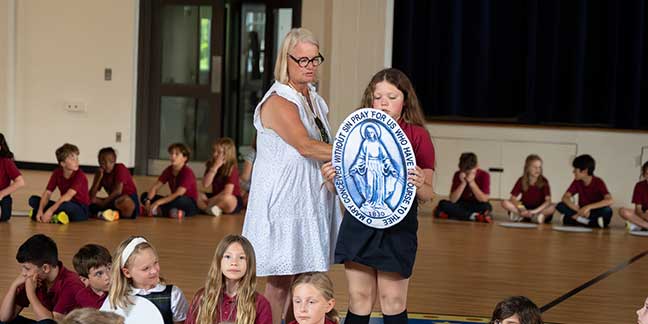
(538, 218)
(32, 214)
(632, 227)
(176, 213)
(515, 217)
(109, 215)
(214, 211)
(601, 222)
(582, 220)
(60, 218)
(443, 215)
(481, 218)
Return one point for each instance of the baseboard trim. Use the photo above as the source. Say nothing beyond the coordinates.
(38, 166)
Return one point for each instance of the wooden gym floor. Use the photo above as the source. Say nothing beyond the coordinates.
(461, 268)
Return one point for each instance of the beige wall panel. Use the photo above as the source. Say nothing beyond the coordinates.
(62, 49)
(4, 48)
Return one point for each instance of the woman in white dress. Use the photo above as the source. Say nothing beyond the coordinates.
(291, 220)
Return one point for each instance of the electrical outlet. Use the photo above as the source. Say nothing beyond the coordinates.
(107, 74)
(75, 106)
(118, 137)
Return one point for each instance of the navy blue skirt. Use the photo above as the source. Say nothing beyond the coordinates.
(388, 250)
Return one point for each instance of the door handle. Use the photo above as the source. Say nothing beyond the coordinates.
(216, 74)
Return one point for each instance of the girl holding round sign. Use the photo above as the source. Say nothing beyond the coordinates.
(378, 252)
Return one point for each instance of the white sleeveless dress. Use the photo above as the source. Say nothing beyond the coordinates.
(292, 220)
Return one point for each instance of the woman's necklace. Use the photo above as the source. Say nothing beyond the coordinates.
(318, 122)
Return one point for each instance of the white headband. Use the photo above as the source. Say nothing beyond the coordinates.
(128, 250)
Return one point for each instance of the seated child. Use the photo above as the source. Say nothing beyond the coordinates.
(594, 200)
(182, 182)
(516, 310)
(92, 316)
(221, 176)
(10, 179)
(44, 283)
(92, 263)
(122, 200)
(73, 186)
(535, 202)
(468, 199)
(312, 299)
(229, 294)
(137, 273)
(637, 219)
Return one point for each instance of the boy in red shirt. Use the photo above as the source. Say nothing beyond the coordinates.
(116, 180)
(73, 186)
(93, 263)
(469, 193)
(182, 182)
(594, 200)
(44, 283)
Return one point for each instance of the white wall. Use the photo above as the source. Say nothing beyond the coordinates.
(62, 49)
(617, 154)
(4, 51)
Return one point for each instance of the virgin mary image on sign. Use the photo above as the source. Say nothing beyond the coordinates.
(374, 173)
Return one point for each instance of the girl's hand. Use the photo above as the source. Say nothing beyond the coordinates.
(219, 160)
(328, 172)
(416, 177)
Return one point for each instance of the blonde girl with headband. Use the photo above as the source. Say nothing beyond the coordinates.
(136, 272)
(229, 294)
(313, 301)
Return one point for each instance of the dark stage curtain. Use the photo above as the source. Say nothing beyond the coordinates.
(551, 62)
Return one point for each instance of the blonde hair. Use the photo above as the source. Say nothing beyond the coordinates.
(92, 316)
(230, 159)
(294, 37)
(215, 285)
(526, 176)
(323, 283)
(118, 295)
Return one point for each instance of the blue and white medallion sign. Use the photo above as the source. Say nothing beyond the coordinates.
(371, 157)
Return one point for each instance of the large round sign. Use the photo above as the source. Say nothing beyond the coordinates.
(371, 157)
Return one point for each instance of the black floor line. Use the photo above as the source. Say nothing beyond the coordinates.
(600, 277)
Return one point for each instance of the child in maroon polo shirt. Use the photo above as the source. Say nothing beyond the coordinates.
(637, 219)
(182, 182)
(594, 200)
(73, 186)
(469, 193)
(116, 180)
(531, 196)
(44, 283)
(93, 263)
(10, 179)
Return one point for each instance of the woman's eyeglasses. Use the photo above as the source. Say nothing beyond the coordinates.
(304, 61)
